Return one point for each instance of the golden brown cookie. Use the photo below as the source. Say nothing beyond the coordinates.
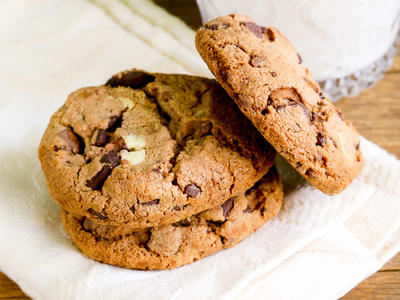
(174, 245)
(262, 72)
(150, 149)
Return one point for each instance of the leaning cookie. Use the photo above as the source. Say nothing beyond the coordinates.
(262, 72)
(150, 149)
(170, 246)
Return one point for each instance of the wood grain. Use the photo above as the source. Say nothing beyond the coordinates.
(382, 285)
(9, 290)
(396, 64)
(375, 113)
(392, 265)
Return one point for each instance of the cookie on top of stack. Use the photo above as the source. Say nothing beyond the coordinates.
(262, 72)
(154, 171)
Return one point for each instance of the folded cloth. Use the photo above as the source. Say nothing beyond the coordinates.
(318, 247)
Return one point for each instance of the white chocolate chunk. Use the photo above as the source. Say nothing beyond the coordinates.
(126, 102)
(134, 157)
(134, 142)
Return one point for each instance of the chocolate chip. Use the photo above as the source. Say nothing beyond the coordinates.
(74, 142)
(264, 111)
(321, 140)
(97, 181)
(132, 79)
(300, 59)
(260, 206)
(247, 210)
(111, 158)
(101, 139)
(273, 74)
(321, 95)
(358, 146)
(152, 202)
(254, 28)
(177, 208)
(298, 164)
(256, 61)
(133, 209)
(292, 103)
(211, 26)
(172, 161)
(310, 172)
(339, 113)
(184, 223)
(227, 207)
(114, 123)
(192, 190)
(305, 111)
(97, 214)
(270, 34)
(313, 115)
(269, 101)
(89, 225)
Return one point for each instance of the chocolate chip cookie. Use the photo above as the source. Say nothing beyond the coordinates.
(174, 245)
(150, 149)
(262, 72)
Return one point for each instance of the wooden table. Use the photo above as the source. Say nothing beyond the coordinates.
(375, 113)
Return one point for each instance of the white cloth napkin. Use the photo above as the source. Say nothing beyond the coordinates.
(319, 247)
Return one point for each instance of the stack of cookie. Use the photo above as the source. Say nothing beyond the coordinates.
(154, 171)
